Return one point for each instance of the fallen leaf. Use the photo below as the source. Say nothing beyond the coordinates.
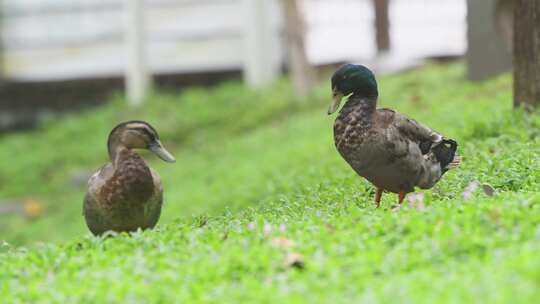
(32, 208)
(294, 260)
(488, 189)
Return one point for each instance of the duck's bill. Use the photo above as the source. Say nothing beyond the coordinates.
(158, 149)
(336, 101)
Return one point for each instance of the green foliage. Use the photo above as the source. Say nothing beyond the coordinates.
(256, 171)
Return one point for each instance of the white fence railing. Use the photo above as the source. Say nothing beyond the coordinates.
(64, 39)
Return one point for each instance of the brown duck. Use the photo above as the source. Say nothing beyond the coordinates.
(391, 151)
(125, 194)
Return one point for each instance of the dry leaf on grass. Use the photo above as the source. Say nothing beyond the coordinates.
(294, 260)
(488, 189)
(32, 208)
(473, 187)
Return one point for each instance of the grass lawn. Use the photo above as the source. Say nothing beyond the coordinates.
(261, 208)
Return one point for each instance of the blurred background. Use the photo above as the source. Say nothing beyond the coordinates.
(63, 56)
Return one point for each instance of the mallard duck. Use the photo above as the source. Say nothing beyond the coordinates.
(391, 151)
(125, 194)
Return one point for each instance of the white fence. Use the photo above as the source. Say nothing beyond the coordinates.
(66, 39)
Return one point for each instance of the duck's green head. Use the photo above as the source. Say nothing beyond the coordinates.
(352, 79)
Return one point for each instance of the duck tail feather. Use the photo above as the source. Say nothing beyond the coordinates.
(445, 152)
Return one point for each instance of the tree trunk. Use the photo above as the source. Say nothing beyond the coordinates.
(302, 73)
(527, 54)
(382, 25)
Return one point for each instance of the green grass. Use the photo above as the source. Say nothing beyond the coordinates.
(256, 167)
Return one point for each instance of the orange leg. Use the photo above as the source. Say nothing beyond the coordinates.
(401, 195)
(378, 196)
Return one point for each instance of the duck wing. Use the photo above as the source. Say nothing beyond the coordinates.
(429, 141)
(153, 207)
(91, 210)
(415, 131)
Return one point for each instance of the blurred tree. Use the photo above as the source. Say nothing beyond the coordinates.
(302, 73)
(527, 53)
(382, 25)
(489, 34)
(504, 21)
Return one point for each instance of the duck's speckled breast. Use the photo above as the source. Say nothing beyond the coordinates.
(361, 147)
(371, 148)
(126, 192)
